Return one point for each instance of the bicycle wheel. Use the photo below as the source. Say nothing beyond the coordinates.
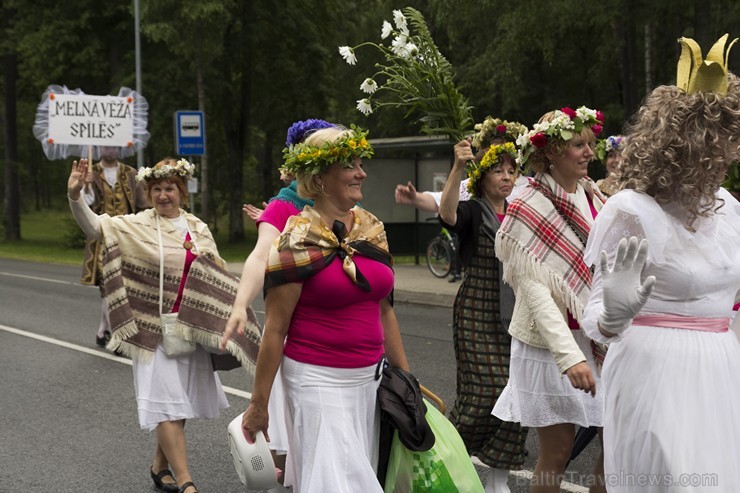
(439, 257)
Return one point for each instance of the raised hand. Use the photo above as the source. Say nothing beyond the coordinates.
(624, 293)
(253, 212)
(77, 178)
(405, 194)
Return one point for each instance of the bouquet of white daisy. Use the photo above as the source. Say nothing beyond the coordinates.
(416, 76)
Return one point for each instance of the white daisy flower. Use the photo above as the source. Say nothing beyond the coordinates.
(398, 44)
(400, 20)
(369, 86)
(348, 54)
(387, 30)
(411, 49)
(364, 106)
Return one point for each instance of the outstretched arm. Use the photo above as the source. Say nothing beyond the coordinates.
(407, 195)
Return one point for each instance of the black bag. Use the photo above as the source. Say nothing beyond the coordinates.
(402, 408)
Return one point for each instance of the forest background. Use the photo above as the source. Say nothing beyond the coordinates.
(256, 66)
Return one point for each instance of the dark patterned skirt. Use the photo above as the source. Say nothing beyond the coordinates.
(482, 348)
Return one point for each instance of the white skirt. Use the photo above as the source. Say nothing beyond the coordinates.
(170, 389)
(539, 395)
(672, 420)
(276, 411)
(332, 421)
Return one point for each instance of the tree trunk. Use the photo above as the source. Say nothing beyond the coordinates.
(205, 210)
(648, 59)
(266, 166)
(11, 203)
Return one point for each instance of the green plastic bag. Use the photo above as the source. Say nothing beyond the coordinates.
(445, 468)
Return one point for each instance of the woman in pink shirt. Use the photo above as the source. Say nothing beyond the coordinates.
(329, 323)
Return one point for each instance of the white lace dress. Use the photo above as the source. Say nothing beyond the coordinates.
(672, 418)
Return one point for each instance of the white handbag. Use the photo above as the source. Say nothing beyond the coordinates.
(173, 344)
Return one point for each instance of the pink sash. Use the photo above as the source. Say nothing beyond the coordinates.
(670, 321)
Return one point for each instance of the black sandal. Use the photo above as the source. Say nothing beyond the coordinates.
(186, 486)
(161, 485)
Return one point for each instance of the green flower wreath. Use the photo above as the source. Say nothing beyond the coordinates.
(304, 158)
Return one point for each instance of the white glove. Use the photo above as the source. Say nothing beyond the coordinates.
(624, 295)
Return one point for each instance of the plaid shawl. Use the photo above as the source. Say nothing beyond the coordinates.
(543, 237)
(307, 245)
(131, 286)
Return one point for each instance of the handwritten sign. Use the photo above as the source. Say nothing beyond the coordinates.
(79, 119)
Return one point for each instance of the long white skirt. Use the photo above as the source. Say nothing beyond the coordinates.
(333, 421)
(538, 395)
(672, 411)
(170, 389)
(276, 410)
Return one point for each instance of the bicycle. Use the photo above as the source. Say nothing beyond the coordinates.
(442, 255)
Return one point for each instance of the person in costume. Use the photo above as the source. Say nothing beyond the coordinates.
(110, 189)
(553, 377)
(663, 299)
(169, 390)
(329, 323)
(609, 151)
(483, 306)
(270, 223)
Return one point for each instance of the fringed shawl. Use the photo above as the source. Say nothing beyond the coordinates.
(307, 245)
(131, 284)
(543, 237)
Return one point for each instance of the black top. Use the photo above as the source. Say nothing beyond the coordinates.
(469, 219)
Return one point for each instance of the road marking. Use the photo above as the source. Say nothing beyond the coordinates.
(45, 279)
(525, 474)
(99, 354)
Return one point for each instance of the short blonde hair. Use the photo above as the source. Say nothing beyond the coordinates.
(679, 146)
(539, 162)
(308, 186)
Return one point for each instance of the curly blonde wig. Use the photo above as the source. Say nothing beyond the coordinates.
(680, 145)
(539, 161)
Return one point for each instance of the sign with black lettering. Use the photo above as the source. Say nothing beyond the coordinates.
(80, 119)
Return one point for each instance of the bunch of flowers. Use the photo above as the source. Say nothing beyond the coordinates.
(182, 168)
(300, 129)
(310, 159)
(491, 159)
(493, 128)
(565, 123)
(605, 146)
(414, 75)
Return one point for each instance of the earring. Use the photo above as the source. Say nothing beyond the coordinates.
(322, 189)
(552, 166)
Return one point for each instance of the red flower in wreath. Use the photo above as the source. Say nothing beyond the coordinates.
(596, 129)
(501, 129)
(538, 140)
(600, 116)
(569, 111)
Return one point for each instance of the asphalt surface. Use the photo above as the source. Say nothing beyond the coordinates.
(68, 418)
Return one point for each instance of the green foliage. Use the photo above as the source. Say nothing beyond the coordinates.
(732, 183)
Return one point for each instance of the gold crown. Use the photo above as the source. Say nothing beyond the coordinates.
(694, 74)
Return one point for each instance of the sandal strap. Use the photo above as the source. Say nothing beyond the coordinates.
(161, 474)
(188, 485)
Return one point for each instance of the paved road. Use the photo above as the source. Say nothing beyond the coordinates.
(67, 412)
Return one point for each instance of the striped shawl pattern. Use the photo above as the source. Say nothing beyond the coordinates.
(307, 245)
(131, 285)
(543, 237)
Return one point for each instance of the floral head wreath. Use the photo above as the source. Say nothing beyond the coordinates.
(492, 158)
(304, 158)
(182, 168)
(493, 128)
(565, 123)
(605, 146)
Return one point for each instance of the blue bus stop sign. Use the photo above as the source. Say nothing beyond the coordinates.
(190, 134)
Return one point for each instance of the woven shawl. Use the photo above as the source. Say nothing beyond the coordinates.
(307, 245)
(543, 237)
(131, 284)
